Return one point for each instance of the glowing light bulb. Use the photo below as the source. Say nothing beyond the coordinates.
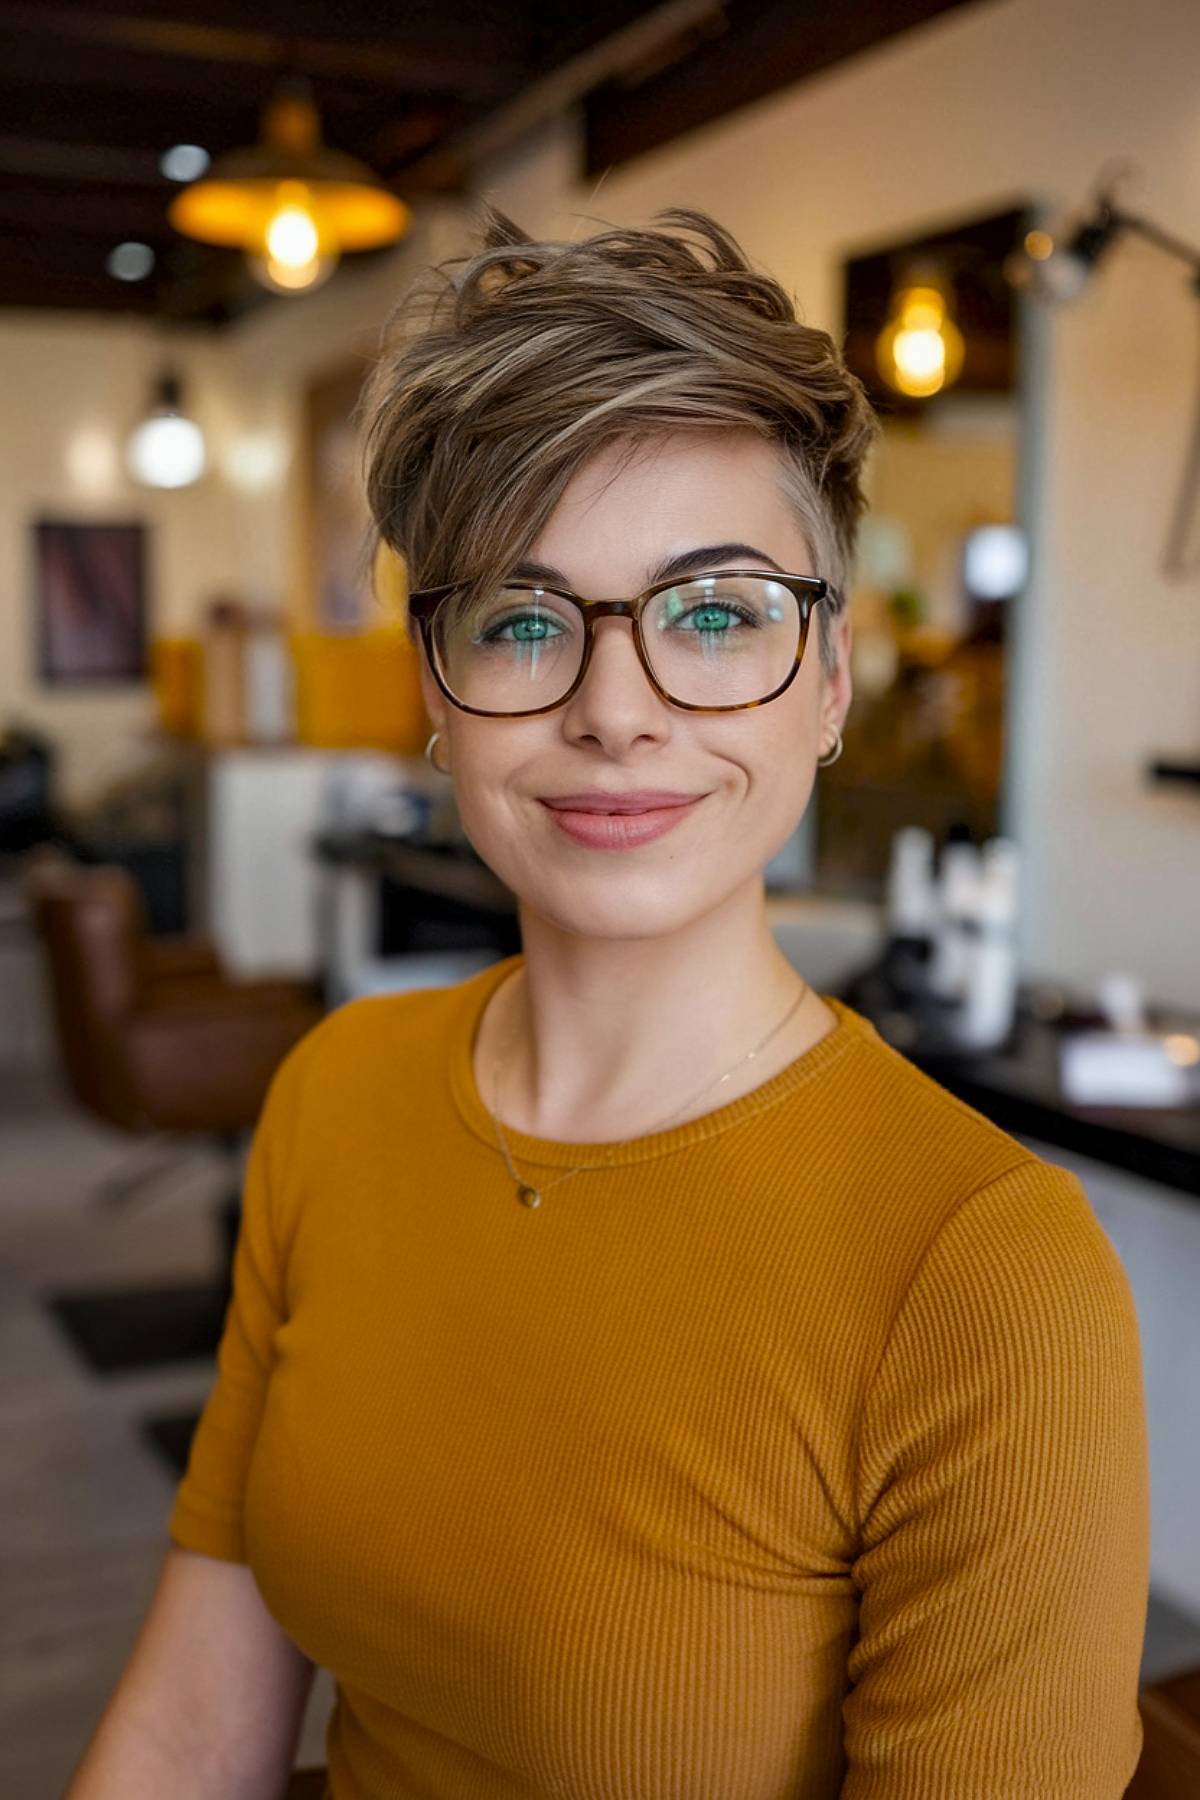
(167, 452)
(920, 357)
(292, 256)
(291, 237)
(167, 449)
(920, 350)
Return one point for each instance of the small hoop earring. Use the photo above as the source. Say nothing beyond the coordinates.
(430, 757)
(823, 762)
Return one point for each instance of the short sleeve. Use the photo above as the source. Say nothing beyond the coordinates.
(1003, 1570)
(207, 1511)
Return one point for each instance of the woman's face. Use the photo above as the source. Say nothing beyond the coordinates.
(752, 770)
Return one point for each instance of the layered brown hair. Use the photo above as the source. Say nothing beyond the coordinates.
(502, 372)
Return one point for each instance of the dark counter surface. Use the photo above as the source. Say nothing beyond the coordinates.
(1019, 1090)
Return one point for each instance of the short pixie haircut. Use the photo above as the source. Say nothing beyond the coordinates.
(500, 374)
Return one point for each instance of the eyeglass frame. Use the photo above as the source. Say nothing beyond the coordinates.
(806, 590)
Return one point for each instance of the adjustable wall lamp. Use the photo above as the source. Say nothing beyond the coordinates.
(1058, 269)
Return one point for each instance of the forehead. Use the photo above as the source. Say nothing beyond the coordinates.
(641, 498)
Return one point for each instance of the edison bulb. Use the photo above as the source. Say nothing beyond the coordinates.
(291, 237)
(920, 350)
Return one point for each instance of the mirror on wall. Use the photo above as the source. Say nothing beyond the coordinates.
(930, 326)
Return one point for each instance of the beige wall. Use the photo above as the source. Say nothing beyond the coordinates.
(989, 106)
(71, 388)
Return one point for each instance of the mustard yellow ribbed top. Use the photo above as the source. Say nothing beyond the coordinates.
(798, 1453)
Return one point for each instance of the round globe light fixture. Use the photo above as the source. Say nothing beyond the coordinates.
(166, 449)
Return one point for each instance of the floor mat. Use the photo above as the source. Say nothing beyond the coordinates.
(141, 1328)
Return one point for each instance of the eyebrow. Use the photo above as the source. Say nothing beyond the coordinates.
(702, 556)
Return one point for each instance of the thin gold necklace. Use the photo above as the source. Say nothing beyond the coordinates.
(529, 1195)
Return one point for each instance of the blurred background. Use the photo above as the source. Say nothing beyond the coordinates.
(216, 822)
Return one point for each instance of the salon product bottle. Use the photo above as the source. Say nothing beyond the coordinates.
(985, 1018)
(957, 923)
(910, 912)
(1121, 999)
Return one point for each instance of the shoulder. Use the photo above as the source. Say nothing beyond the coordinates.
(932, 1183)
(981, 1225)
(377, 1032)
(892, 1113)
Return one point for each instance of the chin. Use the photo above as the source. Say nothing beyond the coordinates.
(616, 901)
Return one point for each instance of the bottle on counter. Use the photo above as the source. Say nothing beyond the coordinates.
(910, 912)
(957, 923)
(985, 1018)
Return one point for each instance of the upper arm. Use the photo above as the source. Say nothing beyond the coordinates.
(214, 1689)
(1004, 1496)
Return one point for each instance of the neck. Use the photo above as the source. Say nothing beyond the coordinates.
(599, 1039)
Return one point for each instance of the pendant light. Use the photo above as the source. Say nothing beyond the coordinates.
(166, 449)
(288, 202)
(920, 349)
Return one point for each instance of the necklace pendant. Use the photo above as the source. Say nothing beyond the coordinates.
(528, 1196)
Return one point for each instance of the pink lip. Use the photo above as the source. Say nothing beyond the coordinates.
(595, 800)
(603, 830)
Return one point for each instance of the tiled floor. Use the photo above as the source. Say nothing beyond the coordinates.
(84, 1501)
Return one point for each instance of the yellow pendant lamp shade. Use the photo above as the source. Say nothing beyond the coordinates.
(292, 204)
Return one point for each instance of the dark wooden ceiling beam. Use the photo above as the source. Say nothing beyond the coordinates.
(766, 47)
(110, 214)
(100, 114)
(31, 281)
(455, 27)
(162, 44)
(75, 168)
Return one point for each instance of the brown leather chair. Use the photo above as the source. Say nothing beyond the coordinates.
(156, 1040)
(154, 1035)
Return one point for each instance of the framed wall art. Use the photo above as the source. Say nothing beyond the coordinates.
(90, 601)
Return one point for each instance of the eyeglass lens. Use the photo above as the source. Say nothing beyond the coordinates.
(716, 640)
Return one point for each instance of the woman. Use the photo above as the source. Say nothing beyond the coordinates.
(642, 1383)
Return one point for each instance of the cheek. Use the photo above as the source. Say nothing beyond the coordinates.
(784, 767)
(485, 782)
(785, 735)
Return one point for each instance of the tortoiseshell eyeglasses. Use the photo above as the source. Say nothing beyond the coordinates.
(711, 643)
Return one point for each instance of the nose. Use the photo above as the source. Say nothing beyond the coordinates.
(615, 703)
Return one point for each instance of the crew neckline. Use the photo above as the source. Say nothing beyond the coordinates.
(477, 990)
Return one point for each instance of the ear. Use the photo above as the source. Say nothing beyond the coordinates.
(837, 689)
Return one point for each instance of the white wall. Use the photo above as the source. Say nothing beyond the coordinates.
(1017, 100)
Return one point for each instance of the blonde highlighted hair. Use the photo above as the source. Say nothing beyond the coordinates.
(501, 373)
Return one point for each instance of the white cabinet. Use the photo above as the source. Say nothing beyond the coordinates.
(265, 888)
